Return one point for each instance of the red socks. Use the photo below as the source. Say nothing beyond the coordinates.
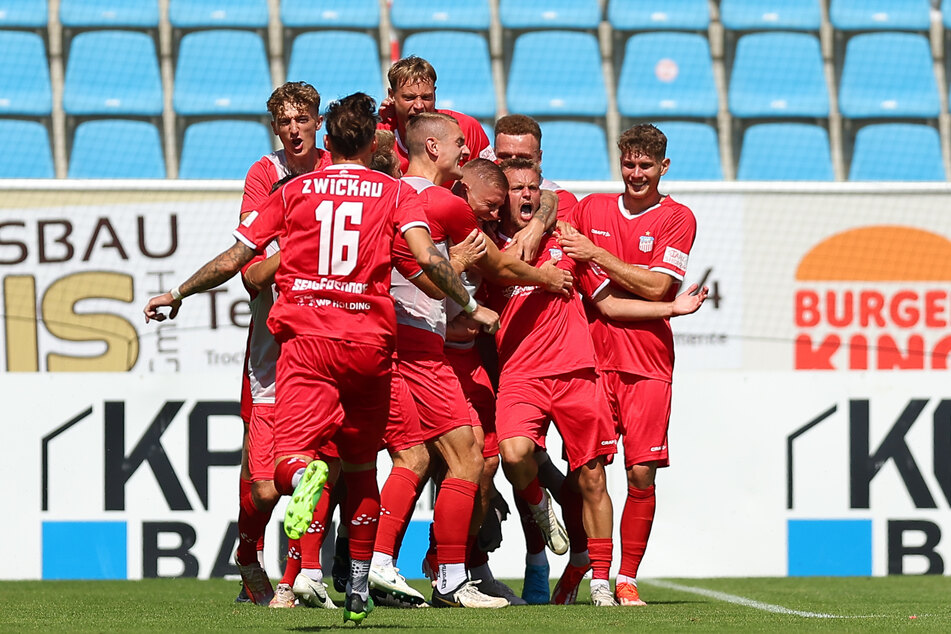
(361, 512)
(600, 551)
(397, 500)
(636, 522)
(292, 566)
(532, 493)
(451, 519)
(313, 539)
(251, 525)
(284, 473)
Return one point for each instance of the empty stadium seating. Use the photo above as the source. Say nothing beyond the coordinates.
(25, 150)
(574, 150)
(223, 149)
(693, 151)
(112, 73)
(24, 75)
(415, 15)
(556, 74)
(196, 14)
(110, 148)
(222, 72)
(549, 14)
(785, 152)
(330, 14)
(666, 75)
(897, 152)
(464, 81)
(760, 15)
(647, 15)
(358, 70)
(142, 14)
(876, 15)
(24, 14)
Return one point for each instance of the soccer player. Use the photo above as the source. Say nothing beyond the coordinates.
(295, 120)
(640, 240)
(412, 90)
(334, 319)
(436, 144)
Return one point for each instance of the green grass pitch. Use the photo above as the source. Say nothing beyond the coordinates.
(882, 604)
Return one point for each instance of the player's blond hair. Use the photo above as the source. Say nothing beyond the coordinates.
(521, 163)
(410, 70)
(644, 139)
(426, 125)
(484, 171)
(299, 94)
(384, 158)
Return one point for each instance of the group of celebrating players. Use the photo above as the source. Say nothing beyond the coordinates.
(378, 269)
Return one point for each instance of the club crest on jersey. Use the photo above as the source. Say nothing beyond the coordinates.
(646, 243)
(556, 254)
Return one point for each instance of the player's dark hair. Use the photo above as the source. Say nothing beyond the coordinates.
(299, 94)
(276, 186)
(351, 123)
(521, 163)
(410, 70)
(518, 125)
(485, 171)
(645, 139)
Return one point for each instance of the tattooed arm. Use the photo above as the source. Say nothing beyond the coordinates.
(217, 271)
(442, 274)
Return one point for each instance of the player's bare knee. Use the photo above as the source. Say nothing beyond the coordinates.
(592, 482)
(264, 494)
(416, 459)
(641, 476)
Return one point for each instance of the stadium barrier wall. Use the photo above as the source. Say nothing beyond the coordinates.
(811, 423)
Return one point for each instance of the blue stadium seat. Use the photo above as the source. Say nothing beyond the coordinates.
(785, 152)
(757, 15)
(24, 14)
(358, 70)
(693, 151)
(222, 72)
(142, 14)
(778, 74)
(878, 15)
(557, 73)
(897, 152)
(888, 75)
(330, 14)
(223, 149)
(464, 81)
(197, 14)
(112, 73)
(667, 75)
(574, 150)
(549, 14)
(25, 150)
(650, 15)
(112, 148)
(946, 13)
(412, 15)
(24, 75)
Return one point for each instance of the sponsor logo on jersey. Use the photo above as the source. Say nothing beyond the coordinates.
(659, 448)
(646, 243)
(598, 232)
(605, 443)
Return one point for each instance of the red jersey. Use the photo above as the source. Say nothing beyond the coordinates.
(658, 239)
(541, 334)
(566, 200)
(476, 139)
(337, 228)
(268, 170)
(450, 220)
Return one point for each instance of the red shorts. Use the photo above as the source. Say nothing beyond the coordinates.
(402, 430)
(479, 393)
(436, 390)
(573, 401)
(261, 443)
(641, 409)
(332, 389)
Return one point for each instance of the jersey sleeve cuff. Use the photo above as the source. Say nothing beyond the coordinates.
(242, 238)
(415, 223)
(677, 275)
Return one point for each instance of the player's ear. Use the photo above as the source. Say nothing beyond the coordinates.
(320, 121)
(432, 145)
(664, 166)
(274, 126)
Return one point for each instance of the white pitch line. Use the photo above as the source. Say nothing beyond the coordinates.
(750, 603)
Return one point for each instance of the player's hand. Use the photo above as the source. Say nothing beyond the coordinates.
(462, 328)
(690, 300)
(470, 250)
(556, 280)
(487, 317)
(524, 244)
(165, 299)
(387, 110)
(576, 245)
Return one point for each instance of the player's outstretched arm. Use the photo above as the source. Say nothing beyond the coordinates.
(505, 269)
(525, 242)
(651, 285)
(616, 304)
(442, 274)
(217, 271)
